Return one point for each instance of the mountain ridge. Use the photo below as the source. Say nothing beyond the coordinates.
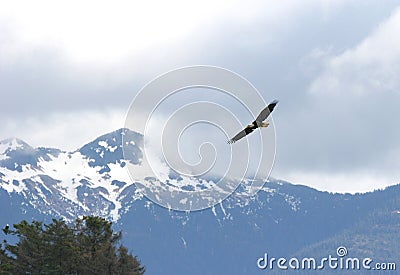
(282, 219)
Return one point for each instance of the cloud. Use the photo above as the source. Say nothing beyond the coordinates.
(69, 71)
(101, 31)
(57, 57)
(354, 182)
(349, 118)
(370, 67)
(63, 130)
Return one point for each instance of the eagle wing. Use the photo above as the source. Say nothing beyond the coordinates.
(267, 110)
(263, 115)
(240, 135)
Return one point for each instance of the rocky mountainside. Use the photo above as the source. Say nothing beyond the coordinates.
(282, 219)
(90, 180)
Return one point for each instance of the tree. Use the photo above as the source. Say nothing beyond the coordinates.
(61, 249)
(30, 249)
(89, 246)
(98, 245)
(5, 262)
(127, 264)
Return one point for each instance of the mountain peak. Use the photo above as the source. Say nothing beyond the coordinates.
(107, 149)
(16, 153)
(90, 179)
(13, 144)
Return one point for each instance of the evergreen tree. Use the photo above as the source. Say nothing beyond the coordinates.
(98, 246)
(127, 264)
(61, 248)
(90, 246)
(30, 249)
(6, 266)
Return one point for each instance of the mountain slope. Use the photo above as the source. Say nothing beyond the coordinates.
(86, 181)
(282, 219)
(231, 241)
(375, 235)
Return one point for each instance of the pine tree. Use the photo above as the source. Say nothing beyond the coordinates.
(128, 264)
(98, 246)
(61, 250)
(6, 266)
(90, 246)
(29, 251)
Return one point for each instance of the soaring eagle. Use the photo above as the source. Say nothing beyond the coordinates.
(6, 229)
(256, 123)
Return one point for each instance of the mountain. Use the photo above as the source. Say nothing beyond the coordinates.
(283, 219)
(90, 180)
(375, 235)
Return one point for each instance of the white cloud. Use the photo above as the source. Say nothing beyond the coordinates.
(354, 182)
(61, 64)
(352, 144)
(67, 131)
(109, 33)
(99, 30)
(372, 66)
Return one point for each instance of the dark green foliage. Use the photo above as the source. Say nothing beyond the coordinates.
(5, 262)
(88, 247)
(128, 264)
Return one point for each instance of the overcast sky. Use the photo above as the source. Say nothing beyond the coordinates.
(69, 71)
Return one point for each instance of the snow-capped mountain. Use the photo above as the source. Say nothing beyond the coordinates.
(91, 180)
(281, 219)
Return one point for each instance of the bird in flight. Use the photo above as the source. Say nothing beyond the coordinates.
(6, 229)
(256, 123)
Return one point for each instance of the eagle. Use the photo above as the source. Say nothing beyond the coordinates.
(6, 229)
(256, 123)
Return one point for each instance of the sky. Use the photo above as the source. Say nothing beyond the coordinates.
(70, 69)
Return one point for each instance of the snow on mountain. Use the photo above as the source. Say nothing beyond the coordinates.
(91, 180)
(11, 144)
(281, 219)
